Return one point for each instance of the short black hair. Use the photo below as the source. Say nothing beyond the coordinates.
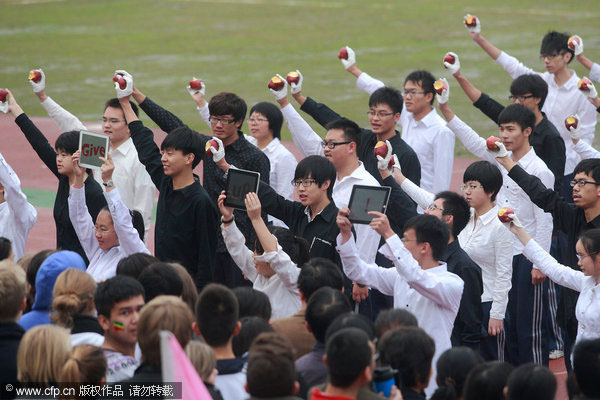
(67, 142)
(318, 168)
(393, 318)
(319, 272)
(294, 246)
(531, 382)
(114, 290)
(388, 96)
(5, 248)
(409, 350)
(556, 43)
(487, 174)
(251, 328)
(432, 230)
(351, 130)
(590, 167)
(216, 314)
(160, 278)
(270, 370)
(348, 354)
(322, 308)
(456, 206)
(518, 113)
(134, 264)
(487, 381)
(351, 320)
(586, 365)
(273, 115)
(226, 103)
(530, 83)
(252, 303)
(115, 103)
(185, 140)
(425, 79)
(452, 368)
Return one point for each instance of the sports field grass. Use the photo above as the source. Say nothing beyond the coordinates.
(237, 45)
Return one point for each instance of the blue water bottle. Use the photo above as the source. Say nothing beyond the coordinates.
(383, 379)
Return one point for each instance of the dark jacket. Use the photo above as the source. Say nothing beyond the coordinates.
(11, 334)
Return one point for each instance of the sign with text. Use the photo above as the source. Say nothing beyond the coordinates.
(92, 146)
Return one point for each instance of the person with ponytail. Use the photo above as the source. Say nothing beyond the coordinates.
(86, 363)
(452, 367)
(74, 309)
(275, 264)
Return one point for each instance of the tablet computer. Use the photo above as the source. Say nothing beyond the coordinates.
(239, 183)
(367, 198)
(92, 146)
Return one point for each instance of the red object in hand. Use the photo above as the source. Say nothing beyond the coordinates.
(209, 144)
(584, 84)
(571, 122)
(491, 143)
(572, 41)
(343, 53)
(275, 83)
(35, 75)
(471, 21)
(381, 150)
(449, 58)
(196, 84)
(504, 214)
(292, 77)
(122, 82)
(3, 95)
(439, 86)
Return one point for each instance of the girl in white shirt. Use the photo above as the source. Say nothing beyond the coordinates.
(273, 266)
(117, 233)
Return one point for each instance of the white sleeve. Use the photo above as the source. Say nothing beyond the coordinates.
(283, 266)
(144, 192)
(470, 139)
(303, 135)
(543, 220)
(585, 150)
(129, 238)
(368, 84)
(82, 221)
(357, 270)
(443, 160)
(419, 195)
(367, 242)
(444, 292)
(204, 114)
(286, 167)
(595, 72)
(241, 255)
(514, 67)
(587, 119)
(23, 212)
(560, 274)
(503, 245)
(64, 119)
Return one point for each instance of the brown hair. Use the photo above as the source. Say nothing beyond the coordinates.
(190, 292)
(202, 358)
(13, 289)
(86, 363)
(72, 293)
(42, 353)
(271, 371)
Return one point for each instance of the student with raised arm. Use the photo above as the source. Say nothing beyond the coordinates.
(118, 232)
(135, 186)
(59, 162)
(593, 67)
(582, 148)
(274, 265)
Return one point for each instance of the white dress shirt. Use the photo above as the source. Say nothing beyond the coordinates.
(281, 288)
(17, 216)
(432, 295)
(595, 72)
(429, 138)
(586, 151)
(587, 309)
(535, 221)
(560, 103)
(103, 263)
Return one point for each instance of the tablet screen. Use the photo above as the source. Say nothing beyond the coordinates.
(365, 199)
(239, 183)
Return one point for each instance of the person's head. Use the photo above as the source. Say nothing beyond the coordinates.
(66, 145)
(32, 270)
(385, 106)
(418, 91)
(344, 136)
(189, 293)
(294, 246)
(105, 230)
(586, 183)
(322, 308)
(113, 121)
(586, 365)
(452, 368)
(487, 381)
(251, 328)
(555, 52)
(119, 301)
(13, 291)
(227, 113)
(203, 359)
(482, 181)
(426, 236)
(164, 313)
(319, 272)
(43, 351)
(516, 124)
(393, 318)
(531, 382)
(451, 208)
(529, 90)
(181, 151)
(160, 278)
(217, 313)
(409, 351)
(271, 371)
(351, 320)
(134, 264)
(5, 249)
(265, 121)
(587, 249)
(314, 179)
(49, 271)
(86, 363)
(252, 303)
(349, 357)
(73, 295)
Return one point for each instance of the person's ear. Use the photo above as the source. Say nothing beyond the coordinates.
(396, 117)
(429, 97)
(238, 327)
(302, 298)
(448, 219)
(296, 387)
(246, 387)
(325, 359)
(505, 391)
(527, 131)
(238, 124)
(325, 185)
(307, 327)
(189, 158)
(368, 373)
(23, 304)
(568, 56)
(104, 322)
(196, 329)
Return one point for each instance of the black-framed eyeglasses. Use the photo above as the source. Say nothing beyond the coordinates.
(433, 207)
(223, 122)
(581, 183)
(551, 56)
(520, 97)
(303, 182)
(332, 145)
(379, 114)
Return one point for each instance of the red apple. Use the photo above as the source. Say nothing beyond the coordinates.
(449, 58)
(196, 84)
(209, 144)
(572, 41)
(504, 213)
(491, 143)
(3, 95)
(584, 84)
(122, 82)
(439, 86)
(292, 77)
(35, 75)
(275, 83)
(343, 53)
(571, 122)
(471, 21)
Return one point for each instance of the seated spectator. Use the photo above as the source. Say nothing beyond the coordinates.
(86, 364)
(393, 318)
(190, 292)
(160, 279)
(487, 381)
(252, 303)
(586, 365)
(251, 328)
(531, 382)
(452, 367)
(134, 264)
(204, 361)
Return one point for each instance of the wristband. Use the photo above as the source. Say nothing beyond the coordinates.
(227, 221)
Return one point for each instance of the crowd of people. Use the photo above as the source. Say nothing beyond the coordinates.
(435, 298)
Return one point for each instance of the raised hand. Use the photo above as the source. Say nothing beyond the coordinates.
(452, 67)
(107, 168)
(253, 206)
(226, 212)
(281, 93)
(128, 90)
(297, 87)
(40, 85)
(351, 60)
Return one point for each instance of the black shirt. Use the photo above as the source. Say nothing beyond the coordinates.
(468, 327)
(186, 218)
(10, 338)
(66, 238)
(241, 153)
